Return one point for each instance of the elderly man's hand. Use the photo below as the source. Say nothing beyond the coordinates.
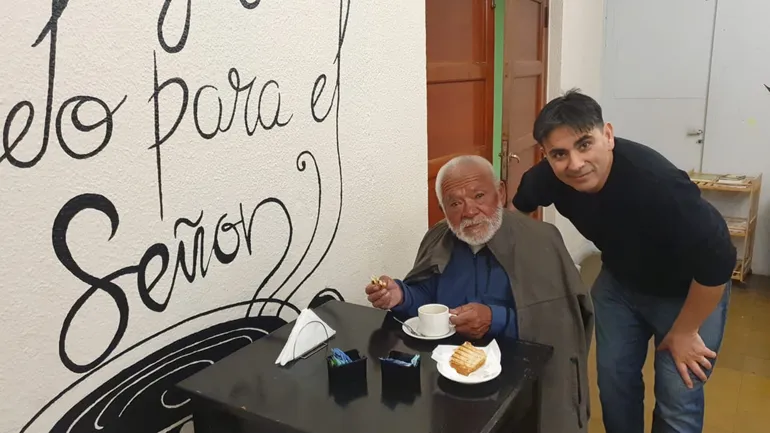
(386, 297)
(472, 320)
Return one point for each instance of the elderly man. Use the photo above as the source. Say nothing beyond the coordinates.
(504, 275)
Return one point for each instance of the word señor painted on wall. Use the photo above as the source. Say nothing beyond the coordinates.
(141, 398)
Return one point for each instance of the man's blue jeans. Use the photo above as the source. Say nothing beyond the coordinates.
(625, 322)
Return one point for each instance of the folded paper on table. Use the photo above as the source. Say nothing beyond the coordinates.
(308, 333)
(443, 353)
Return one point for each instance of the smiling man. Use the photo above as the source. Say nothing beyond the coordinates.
(667, 262)
(505, 275)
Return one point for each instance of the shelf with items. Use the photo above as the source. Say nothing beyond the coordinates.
(739, 227)
(743, 193)
(726, 182)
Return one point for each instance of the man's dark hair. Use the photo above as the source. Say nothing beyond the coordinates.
(575, 110)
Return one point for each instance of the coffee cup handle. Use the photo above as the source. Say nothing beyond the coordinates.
(451, 325)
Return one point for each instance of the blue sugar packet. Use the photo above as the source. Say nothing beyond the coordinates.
(412, 363)
(339, 358)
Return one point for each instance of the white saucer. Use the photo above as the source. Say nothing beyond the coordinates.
(414, 322)
(480, 376)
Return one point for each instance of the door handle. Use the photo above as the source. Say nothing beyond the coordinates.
(694, 132)
(514, 156)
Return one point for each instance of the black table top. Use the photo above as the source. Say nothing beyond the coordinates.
(250, 385)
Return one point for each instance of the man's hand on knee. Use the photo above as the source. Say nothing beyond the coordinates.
(689, 353)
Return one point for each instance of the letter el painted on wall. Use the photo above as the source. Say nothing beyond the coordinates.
(185, 177)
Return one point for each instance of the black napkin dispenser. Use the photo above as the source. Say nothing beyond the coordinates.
(347, 375)
(400, 377)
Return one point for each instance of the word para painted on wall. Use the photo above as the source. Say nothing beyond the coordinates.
(269, 89)
(199, 260)
(26, 108)
(24, 112)
(197, 246)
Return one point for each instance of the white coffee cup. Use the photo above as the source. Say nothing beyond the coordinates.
(434, 320)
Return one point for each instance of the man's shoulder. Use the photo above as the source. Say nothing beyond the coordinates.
(437, 232)
(538, 186)
(519, 224)
(643, 159)
(648, 169)
(542, 171)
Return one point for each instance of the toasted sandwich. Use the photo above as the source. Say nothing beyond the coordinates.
(466, 359)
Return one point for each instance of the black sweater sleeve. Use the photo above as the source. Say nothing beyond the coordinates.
(536, 188)
(697, 230)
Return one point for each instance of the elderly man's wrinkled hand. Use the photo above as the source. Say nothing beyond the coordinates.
(386, 295)
(472, 320)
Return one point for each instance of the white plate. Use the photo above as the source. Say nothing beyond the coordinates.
(479, 376)
(414, 322)
(490, 370)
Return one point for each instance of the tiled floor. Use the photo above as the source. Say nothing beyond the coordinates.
(738, 393)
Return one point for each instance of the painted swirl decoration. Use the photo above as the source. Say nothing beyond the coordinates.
(141, 397)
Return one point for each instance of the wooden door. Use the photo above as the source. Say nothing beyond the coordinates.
(460, 61)
(524, 87)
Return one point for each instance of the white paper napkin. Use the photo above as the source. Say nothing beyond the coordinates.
(443, 353)
(308, 333)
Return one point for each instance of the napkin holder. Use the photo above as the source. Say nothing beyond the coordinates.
(400, 379)
(347, 382)
(322, 345)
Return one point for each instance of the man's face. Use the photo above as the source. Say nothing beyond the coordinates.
(581, 160)
(473, 204)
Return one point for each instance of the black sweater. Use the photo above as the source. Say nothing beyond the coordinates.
(655, 231)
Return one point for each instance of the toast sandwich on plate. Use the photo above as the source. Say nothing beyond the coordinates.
(466, 359)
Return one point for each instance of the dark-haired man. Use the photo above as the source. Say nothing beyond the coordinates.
(667, 262)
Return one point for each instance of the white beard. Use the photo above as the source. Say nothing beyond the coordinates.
(492, 226)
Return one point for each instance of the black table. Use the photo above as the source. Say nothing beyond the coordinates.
(248, 392)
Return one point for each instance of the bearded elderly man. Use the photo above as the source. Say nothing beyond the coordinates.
(504, 275)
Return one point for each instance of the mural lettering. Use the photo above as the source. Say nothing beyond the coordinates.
(234, 79)
(140, 396)
(27, 108)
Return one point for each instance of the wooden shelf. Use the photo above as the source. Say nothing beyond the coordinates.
(742, 269)
(725, 182)
(743, 227)
(739, 227)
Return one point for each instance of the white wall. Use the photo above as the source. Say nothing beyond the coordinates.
(576, 43)
(738, 121)
(339, 176)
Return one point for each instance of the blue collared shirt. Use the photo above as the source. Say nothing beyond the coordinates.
(468, 278)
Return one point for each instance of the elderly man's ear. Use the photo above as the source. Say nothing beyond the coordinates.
(501, 193)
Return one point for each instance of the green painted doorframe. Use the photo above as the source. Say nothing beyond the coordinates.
(497, 121)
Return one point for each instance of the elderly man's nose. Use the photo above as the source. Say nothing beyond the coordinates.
(471, 210)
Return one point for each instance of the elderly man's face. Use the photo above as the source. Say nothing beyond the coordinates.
(472, 204)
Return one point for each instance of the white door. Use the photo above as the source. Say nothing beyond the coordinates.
(656, 72)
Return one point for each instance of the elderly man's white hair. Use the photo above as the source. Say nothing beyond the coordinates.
(458, 161)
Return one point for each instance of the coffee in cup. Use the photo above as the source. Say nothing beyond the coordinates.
(434, 320)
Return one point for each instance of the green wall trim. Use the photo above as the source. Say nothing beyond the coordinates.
(497, 122)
